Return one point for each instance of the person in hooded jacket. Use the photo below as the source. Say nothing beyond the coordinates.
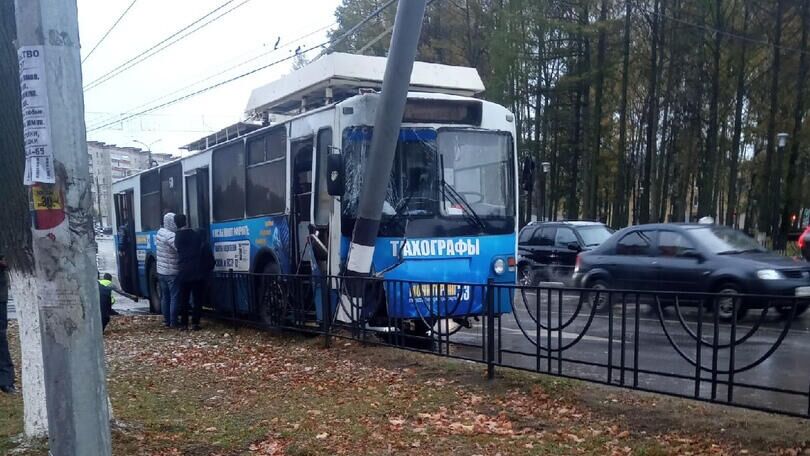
(193, 272)
(167, 269)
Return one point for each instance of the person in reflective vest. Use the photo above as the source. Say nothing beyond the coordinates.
(106, 298)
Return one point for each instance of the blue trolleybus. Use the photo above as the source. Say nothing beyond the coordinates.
(259, 190)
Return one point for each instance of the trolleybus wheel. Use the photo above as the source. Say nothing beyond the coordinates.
(154, 289)
(271, 300)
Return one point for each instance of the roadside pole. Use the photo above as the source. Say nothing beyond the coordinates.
(390, 109)
(57, 172)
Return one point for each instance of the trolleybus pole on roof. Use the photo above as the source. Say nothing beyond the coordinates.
(394, 93)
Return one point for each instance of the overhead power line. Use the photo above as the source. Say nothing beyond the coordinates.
(329, 43)
(112, 27)
(221, 72)
(165, 43)
(206, 89)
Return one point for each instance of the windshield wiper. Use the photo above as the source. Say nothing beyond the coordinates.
(465, 206)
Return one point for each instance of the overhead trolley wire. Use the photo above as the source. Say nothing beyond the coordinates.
(329, 43)
(165, 43)
(109, 30)
(219, 73)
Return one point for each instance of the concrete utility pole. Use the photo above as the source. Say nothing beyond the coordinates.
(388, 120)
(57, 170)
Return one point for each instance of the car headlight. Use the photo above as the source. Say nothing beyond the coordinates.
(499, 266)
(769, 274)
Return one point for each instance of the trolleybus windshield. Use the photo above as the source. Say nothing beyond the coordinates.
(450, 182)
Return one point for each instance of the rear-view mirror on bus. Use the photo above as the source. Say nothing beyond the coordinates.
(335, 182)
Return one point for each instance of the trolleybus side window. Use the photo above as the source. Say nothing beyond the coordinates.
(266, 173)
(150, 201)
(323, 201)
(171, 189)
(228, 168)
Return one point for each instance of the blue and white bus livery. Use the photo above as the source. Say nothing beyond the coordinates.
(449, 220)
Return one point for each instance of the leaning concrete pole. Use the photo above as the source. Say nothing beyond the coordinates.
(391, 107)
(57, 171)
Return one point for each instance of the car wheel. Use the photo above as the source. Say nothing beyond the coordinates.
(526, 276)
(598, 297)
(726, 304)
(786, 311)
(154, 289)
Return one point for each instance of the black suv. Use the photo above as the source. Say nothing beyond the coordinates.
(693, 258)
(547, 251)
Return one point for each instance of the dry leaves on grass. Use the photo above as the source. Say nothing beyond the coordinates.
(388, 403)
(267, 447)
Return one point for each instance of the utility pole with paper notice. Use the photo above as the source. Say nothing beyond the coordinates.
(57, 173)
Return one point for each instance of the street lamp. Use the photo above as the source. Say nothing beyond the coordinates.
(545, 167)
(782, 139)
(148, 151)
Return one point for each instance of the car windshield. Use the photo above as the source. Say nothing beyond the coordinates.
(594, 235)
(724, 240)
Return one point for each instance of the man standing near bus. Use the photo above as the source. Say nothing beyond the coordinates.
(191, 273)
(167, 269)
(6, 366)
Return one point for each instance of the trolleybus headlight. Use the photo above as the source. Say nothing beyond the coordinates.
(499, 266)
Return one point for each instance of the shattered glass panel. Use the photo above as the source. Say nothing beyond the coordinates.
(413, 187)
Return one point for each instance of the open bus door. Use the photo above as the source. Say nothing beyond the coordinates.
(302, 199)
(126, 252)
(197, 192)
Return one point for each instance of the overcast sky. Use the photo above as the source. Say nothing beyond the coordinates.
(248, 31)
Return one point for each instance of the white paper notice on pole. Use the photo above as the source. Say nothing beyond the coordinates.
(36, 121)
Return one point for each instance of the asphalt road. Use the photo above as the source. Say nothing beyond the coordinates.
(106, 263)
(593, 340)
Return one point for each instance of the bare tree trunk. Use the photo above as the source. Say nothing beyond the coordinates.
(705, 194)
(769, 180)
(15, 231)
(791, 191)
(736, 135)
(621, 198)
(597, 113)
(652, 118)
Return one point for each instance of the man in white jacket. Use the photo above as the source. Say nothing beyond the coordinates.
(167, 270)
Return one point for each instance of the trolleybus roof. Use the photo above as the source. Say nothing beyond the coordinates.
(336, 76)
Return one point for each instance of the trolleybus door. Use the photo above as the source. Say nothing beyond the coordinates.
(301, 199)
(198, 201)
(126, 252)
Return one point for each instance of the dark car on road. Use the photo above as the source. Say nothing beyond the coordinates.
(693, 258)
(547, 251)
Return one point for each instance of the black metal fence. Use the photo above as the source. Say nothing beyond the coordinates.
(750, 351)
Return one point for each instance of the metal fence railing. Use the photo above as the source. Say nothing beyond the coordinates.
(751, 351)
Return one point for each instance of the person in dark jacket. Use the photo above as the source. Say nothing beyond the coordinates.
(192, 273)
(6, 365)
